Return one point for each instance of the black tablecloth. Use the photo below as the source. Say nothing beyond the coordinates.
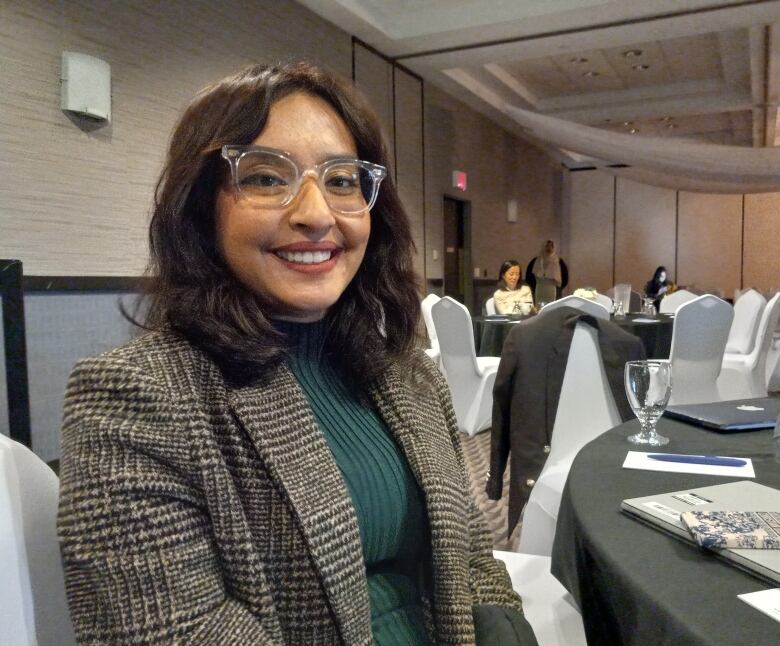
(489, 333)
(636, 584)
(656, 337)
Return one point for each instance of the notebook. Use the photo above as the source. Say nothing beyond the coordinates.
(730, 416)
(663, 511)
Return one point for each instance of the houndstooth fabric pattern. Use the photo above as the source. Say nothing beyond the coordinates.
(193, 512)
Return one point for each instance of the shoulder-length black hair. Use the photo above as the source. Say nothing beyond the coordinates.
(505, 267)
(192, 289)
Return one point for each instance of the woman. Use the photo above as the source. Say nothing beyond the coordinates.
(268, 465)
(657, 287)
(547, 274)
(510, 297)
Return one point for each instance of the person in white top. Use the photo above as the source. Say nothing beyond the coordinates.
(512, 296)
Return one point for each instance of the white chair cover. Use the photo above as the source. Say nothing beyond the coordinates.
(701, 328)
(773, 364)
(490, 306)
(670, 303)
(426, 305)
(747, 314)
(606, 301)
(744, 376)
(585, 388)
(547, 606)
(470, 378)
(591, 307)
(33, 607)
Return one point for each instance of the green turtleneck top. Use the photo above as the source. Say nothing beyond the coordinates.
(388, 502)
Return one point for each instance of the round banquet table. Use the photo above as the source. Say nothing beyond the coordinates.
(490, 332)
(655, 332)
(636, 584)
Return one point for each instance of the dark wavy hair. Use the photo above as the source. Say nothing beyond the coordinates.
(657, 275)
(192, 290)
(505, 267)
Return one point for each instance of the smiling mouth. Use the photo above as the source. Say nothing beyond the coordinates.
(306, 257)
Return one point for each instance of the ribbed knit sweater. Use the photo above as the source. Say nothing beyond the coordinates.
(388, 502)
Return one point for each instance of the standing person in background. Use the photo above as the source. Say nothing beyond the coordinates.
(511, 294)
(657, 287)
(547, 274)
(275, 462)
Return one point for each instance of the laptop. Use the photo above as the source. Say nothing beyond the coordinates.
(663, 512)
(730, 416)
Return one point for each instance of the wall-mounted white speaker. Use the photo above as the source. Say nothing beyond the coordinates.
(86, 86)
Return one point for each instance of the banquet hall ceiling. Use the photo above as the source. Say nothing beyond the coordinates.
(701, 70)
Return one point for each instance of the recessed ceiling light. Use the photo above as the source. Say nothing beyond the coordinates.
(578, 59)
(632, 53)
(671, 126)
(641, 68)
(666, 118)
(628, 123)
(633, 131)
(590, 73)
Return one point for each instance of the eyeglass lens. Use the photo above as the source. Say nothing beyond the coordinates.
(270, 180)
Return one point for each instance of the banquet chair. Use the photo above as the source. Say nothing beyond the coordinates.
(591, 307)
(744, 376)
(747, 315)
(433, 352)
(585, 388)
(701, 328)
(547, 606)
(670, 303)
(33, 606)
(606, 301)
(469, 377)
(773, 364)
(490, 306)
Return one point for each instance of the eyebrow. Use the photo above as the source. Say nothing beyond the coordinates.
(324, 158)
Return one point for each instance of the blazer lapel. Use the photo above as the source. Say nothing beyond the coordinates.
(282, 427)
(417, 428)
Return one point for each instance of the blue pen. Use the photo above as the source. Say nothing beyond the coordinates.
(698, 459)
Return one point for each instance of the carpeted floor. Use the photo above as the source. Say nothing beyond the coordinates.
(476, 450)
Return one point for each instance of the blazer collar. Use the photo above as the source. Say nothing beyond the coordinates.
(282, 428)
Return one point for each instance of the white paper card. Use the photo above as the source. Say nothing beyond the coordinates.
(767, 601)
(640, 460)
(641, 320)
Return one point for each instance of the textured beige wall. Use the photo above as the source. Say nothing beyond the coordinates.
(500, 167)
(644, 231)
(589, 230)
(374, 77)
(77, 203)
(709, 241)
(762, 241)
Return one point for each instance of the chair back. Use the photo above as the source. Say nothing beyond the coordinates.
(490, 306)
(701, 329)
(33, 605)
(670, 303)
(747, 315)
(635, 304)
(456, 337)
(764, 336)
(427, 303)
(585, 388)
(606, 301)
(590, 307)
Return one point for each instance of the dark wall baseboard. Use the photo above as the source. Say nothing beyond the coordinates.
(84, 283)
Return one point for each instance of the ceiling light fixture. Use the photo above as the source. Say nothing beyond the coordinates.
(671, 126)
(590, 73)
(578, 59)
(641, 68)
(632, 53)
(667, 118)
(628, 123)
(633, 131)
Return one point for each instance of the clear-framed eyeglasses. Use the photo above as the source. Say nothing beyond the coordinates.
(270, 179)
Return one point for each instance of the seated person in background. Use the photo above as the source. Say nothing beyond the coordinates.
(512, 293)
(275, 462)
(657, 287)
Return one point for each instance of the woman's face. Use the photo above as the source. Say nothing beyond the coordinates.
(266, 248)
(511, 276)
(662, 277)
(549, 247)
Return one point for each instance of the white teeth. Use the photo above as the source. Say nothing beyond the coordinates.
(305, 257)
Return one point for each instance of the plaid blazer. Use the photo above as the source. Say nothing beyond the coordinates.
(195, 512)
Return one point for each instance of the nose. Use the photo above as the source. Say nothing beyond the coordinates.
(310, 210)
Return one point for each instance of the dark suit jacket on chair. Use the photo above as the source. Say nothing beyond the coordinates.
(527, 390)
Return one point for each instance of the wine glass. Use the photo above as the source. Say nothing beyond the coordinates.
(648, 387)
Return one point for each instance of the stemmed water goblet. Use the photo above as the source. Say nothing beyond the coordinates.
(648, 388)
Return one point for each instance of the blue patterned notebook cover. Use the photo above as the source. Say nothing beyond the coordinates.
(740, 529)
